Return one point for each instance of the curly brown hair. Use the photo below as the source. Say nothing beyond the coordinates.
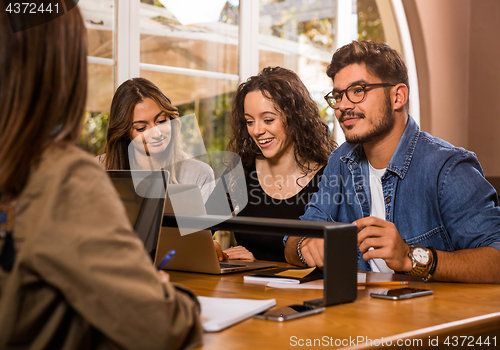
(311, 137)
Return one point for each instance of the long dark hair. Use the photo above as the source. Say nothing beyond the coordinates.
(311, 137)
(127, 96)
(43, 88)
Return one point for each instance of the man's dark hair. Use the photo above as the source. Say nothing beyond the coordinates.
(379, 58)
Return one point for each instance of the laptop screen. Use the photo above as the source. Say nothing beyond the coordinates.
(143, 196)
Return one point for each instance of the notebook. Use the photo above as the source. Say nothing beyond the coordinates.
(220, 313)
(195, 252)
(143, 195)
(286, 275)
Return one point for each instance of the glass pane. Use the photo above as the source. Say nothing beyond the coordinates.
(300, 35)
(99, 19)
(369, 21)
(99, 95)
(199, 34)
(208, 98)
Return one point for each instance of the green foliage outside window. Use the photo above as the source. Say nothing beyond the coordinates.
(369, 22)
(94, 131)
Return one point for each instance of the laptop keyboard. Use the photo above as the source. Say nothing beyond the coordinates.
(226, 265)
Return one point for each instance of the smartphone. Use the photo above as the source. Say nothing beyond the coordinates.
(289, 312)
(402, 293)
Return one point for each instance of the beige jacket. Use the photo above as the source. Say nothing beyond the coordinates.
(82, 278)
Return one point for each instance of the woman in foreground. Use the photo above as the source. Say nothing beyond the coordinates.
(73, 274)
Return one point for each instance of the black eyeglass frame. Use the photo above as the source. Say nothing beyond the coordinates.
(327, 97)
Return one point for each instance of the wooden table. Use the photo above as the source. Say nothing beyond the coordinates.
(456, 314)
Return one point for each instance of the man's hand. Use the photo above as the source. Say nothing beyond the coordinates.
(239, 253)
(313, 250)
(388, 245)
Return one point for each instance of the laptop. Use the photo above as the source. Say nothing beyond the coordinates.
(195, 252)
(143, 195)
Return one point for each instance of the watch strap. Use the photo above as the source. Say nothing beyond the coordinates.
(417, 271)
(433, 266)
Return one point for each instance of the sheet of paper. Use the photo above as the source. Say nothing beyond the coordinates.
(220, 313)
(260, 279)
(318, 284)
(296, 273)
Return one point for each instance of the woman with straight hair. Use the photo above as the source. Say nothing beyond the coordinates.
(73, 274)
(283, 145)
(144, 133)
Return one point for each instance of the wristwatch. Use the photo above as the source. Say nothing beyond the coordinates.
(421, 259)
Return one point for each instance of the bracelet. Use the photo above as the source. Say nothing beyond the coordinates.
(433, 266)
(299, 252)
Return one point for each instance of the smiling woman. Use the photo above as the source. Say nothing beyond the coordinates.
(151, 128)
(143, 117)
(284, 146)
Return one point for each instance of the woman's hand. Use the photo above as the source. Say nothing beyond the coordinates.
(239, 253)
(164, 277)
(220, 254)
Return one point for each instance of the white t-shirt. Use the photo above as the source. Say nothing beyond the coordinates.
(377, 209)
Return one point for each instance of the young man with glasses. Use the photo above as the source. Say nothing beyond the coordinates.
(422, 206)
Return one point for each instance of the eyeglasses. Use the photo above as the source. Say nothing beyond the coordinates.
(355, 93)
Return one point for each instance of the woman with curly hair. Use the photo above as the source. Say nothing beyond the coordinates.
(284, 146)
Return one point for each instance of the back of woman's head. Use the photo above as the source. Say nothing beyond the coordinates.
(127, 96)
(43, 87)
(311, 137)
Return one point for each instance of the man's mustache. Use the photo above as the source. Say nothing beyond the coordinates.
(350, 114)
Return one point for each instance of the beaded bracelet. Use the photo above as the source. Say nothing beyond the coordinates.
(299, 252)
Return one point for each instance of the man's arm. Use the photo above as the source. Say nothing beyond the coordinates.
(475, 265)
(312, 250)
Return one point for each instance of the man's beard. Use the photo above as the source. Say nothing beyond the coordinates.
(384, 126)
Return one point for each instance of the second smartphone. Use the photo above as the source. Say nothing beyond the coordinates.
(289, 312)
(401, 293)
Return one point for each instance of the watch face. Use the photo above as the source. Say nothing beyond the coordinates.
(421, 255)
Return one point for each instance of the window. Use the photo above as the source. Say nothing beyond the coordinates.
(198, 51)
(99, 17)
(189, 49)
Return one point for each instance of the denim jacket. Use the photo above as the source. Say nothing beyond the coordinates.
(434, 193)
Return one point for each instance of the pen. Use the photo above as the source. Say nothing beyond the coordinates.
(166, 259)
(391, 283)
